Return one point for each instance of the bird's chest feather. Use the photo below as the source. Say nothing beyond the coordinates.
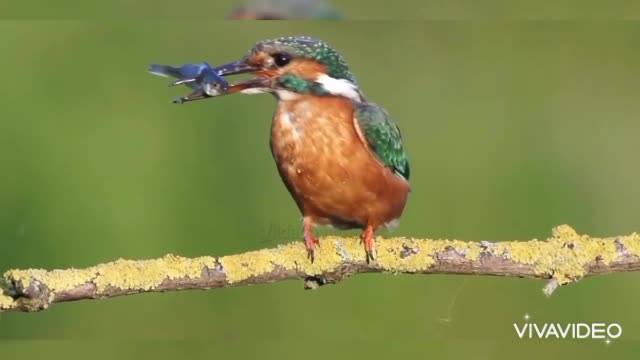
(311, 135)
(328, 169)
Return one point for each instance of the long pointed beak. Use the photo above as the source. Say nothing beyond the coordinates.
(248, 86)
(233, 68)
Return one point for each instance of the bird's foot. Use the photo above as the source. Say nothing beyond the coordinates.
(310, 242)
(369, 245)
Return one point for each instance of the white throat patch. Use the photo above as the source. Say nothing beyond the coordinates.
(340, 87)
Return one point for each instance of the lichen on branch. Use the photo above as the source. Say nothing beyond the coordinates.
(563, 258)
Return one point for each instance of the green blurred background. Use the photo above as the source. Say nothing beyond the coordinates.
(351, 9)
(511, 128)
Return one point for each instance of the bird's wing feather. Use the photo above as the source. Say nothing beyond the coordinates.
(382, 135)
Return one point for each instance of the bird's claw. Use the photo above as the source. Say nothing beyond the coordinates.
(311, 254)
(310, 243)
(370, 255)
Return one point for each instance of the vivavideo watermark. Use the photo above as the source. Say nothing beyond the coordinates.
(578, 330)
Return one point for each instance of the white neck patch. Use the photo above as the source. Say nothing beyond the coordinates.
(340, 87)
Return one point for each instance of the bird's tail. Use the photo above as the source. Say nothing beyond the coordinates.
(165, 70)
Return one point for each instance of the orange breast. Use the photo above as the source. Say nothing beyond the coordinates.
(329, 171)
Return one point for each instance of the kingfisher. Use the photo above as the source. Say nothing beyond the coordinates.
(339, 155)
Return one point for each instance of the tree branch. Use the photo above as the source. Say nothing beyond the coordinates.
(563, 258)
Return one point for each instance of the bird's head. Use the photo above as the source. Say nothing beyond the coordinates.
(289, 66)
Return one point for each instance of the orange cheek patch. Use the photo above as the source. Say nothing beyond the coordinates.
(258, 58)
(266, 73)
(305, 68)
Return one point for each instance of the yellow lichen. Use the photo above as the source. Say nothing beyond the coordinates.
(563, 231)
(122, 274)
(6, 302)
(564, 256)
(522, 252)
(56, 280)
(329, 256)
(469, 249)
(333, 251)
(473, 251)
(242, 266)
(391, 257)
(291, 256)
(631, 243)
(148, 274)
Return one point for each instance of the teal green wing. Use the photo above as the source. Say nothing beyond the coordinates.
(383, 137)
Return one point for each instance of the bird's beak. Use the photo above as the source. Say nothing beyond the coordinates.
(251, 85)
(233, 68)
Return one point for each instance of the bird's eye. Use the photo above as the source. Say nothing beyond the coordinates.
(281, 59)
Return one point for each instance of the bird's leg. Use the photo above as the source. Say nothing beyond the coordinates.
(369, 246)
(310, 240)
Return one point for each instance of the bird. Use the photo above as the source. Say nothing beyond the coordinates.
(200, 77)
(283, 10)
(340, 156)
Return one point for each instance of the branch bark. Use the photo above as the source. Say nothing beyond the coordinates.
(563, 258)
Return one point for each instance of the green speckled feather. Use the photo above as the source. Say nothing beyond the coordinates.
(383, 136)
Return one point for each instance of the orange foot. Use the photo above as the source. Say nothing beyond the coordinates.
(310, 241)
(367, 239)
